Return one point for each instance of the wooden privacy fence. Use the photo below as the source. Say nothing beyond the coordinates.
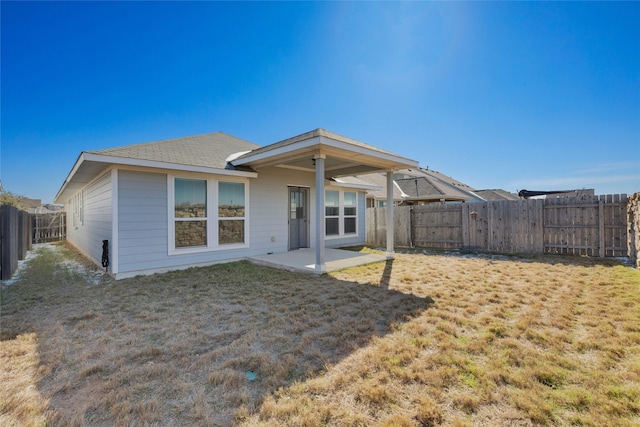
(593, 226)
(49, 227)
(15, 239)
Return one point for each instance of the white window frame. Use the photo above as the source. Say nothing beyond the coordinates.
(81, 214)
(341, 216)
(211, 217)
(77, 209)
(72, 211)
(344, 216)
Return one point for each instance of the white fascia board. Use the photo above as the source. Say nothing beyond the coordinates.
(278, 151)
(236, 155)
(367, 152)
(337, 183)
(163, 165)
(320, 141)
(100, 158)
(73, 171)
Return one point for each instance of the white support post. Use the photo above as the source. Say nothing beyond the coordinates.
(320, 221)
(390, 252)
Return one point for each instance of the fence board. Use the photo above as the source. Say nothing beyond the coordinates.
(15, 239)
(49, 227)
(593, 226)
(437, 225)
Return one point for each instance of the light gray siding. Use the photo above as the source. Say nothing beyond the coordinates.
(143, 221)
(270, 208)
(143, 228)
(93, 222)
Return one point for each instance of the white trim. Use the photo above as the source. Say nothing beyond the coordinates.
(390, 212)
(320, 266)
(368, 187)
(236, 155)
(295, 168)
(366, 151)
(341, 216)
(71, 174)
(115, 222)
(308, 212)
(320, 141)
(164, 165)
(125, 161)
(211, 219)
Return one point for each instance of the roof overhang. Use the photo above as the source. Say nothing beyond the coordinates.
(342, 157)
(89, 166)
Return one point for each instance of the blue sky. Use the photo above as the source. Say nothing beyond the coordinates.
(538, 96)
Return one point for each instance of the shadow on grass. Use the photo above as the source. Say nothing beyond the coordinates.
(175, 348)
(385, 280)
(552, 259)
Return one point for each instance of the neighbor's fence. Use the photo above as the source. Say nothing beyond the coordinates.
(633, 226)
(15, 239)
(595, 226)
(49, 227)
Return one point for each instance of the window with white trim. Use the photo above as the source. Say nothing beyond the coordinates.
(82, 207)
(350, 201)
(76, 205)
(190, 212)
(231, 212)
(341, 213)
(206, 214)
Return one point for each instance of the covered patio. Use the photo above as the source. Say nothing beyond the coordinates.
(328, 156)
(304, 260)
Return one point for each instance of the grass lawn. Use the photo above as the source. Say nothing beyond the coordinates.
(426, 339)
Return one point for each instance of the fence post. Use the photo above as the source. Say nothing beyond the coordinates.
(601, 238)
(633, 228)
(412, 230)
(465, 227)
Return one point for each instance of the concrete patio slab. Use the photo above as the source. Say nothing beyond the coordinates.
(303, 260)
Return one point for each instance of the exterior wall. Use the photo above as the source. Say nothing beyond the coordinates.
(142, 221)
(143, 244)
(89, 221)
(270, 210)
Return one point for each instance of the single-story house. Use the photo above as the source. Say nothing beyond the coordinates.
(212, 198)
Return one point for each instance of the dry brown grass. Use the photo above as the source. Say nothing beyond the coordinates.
(422, 340)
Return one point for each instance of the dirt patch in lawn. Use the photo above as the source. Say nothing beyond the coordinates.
(425, 339)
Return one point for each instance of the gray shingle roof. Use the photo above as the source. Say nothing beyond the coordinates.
(496, 195)
(420, 188)
(209, 150)
(377, 179)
